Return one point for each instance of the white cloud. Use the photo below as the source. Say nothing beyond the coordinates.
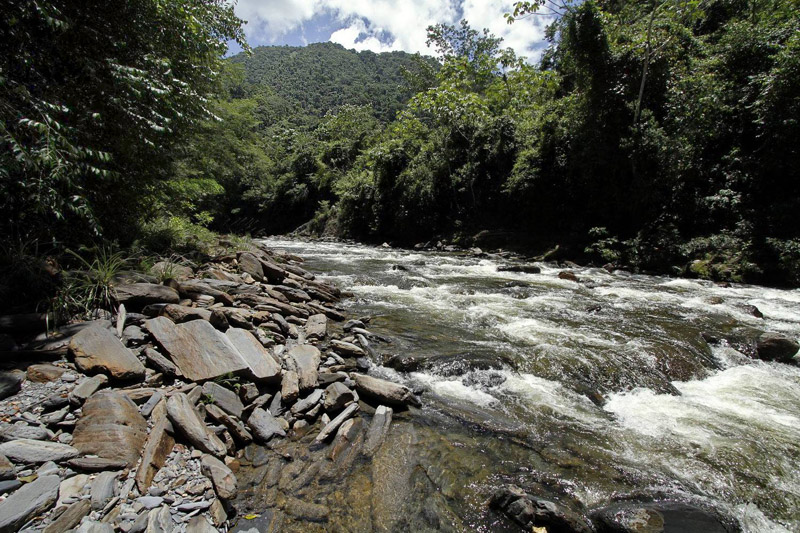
(383, 25)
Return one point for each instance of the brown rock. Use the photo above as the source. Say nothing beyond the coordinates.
(97, 349)
(138, 295)
(111, 427)
(262, 366)
(158, 446)
(44, 373)
(306, 360)
(70, 518)
(182, 313)
(250, 264)
(186, 421)
(317, 327)
(384, 391)
(220, 475)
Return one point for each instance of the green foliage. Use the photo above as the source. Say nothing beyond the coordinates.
(166, 234)
(90, 286)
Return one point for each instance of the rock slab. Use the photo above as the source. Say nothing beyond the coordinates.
(186, 421)
(198, 350)
(384, 391)
(27, 502)
(37, 451)
(262, 366)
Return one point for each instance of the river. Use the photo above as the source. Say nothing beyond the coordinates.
(586, 391)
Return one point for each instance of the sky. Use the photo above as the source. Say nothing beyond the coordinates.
(382, 25)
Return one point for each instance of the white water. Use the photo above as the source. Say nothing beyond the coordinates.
(526, 350)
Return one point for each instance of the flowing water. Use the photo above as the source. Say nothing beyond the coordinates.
(579, 391)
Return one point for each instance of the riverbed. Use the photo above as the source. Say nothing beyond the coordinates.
(580, 391)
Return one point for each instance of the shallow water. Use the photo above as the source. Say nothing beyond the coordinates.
(582, 392)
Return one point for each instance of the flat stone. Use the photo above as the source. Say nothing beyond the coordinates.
(262, 365)
(220, 475)
(111, 427)
(384, 391)
(97, 349)
(264, 425)
(347, 349)
(7, 470)
(317, 327)
(97, 464)
(225, 399)
(160, 521)
(193, 506)
(134, 336)
(70, 518)
(24, 431)
(337, 395)
(198, 350)
(195, 288)
(306, 360)
(37, 451)
(86, 388)
(156, 450)
(104, 487)
(308, 402)
(9, 485)
(10, 383)
(186, 421)
(150, 502)
(234, 427)
(378, 429)
(290, 386)
(27, 502)
(138, 295)
(333, 426)
(93, 526)
(72, 487)
(147, 407)
(44, 373)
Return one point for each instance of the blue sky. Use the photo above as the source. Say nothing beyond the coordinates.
(382, 25)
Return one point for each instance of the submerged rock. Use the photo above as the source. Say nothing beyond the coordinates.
(776, 347)
(658, 517)
(531, 512)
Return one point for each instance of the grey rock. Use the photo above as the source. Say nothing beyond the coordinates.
(86, 388)
(264, 425)
(308, 402)
(93, 526)
(37, 451)
(28, 501)
(261, 364)
(147, 408)
(183, 313)
(234, 427)
(220, 475)
(317, 327)
(111, 427)
(69, 518)
(97, 464)
(276, 405)
(193, 506)
(160, 521)
(158, 446)
(48, 468)
(200, 524)
(347, 349)
(150, 502)
(197, 349)
(135, 296)
(337, 395)
(9, 485)
(350, 324)
(225, 399)
(24, 431)
(306, 359)
(333, 426)
(250, 264)
(383, 391)
(161, 363)
(104, 487)
(134, 336)
(10, 383)
(97, 349)
(378, 429)
(188, 423)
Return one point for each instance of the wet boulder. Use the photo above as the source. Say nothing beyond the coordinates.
(658, 517)
(384, 392)
(776, 347)
(531, 512)
(525, 269)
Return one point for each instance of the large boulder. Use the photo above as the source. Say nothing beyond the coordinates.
(776, 347)
(385, 392)
(27, 502)
(139, 295)
(250, 264)
(198, 350)
(98, 350)
(111, 428)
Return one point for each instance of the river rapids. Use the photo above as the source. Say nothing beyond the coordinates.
(590, 390)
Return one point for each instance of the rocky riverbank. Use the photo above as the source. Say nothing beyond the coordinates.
(140, 420)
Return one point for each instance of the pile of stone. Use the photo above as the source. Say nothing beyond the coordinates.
(138, 427)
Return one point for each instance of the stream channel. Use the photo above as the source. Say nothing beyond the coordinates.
(581, 392)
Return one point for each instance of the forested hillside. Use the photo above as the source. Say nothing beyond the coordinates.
(659, 136)
(307, 82)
